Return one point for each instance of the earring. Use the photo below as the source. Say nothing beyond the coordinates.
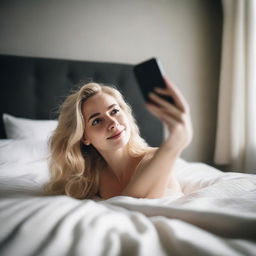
(85, 142)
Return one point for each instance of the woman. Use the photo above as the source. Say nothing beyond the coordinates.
(97, 150)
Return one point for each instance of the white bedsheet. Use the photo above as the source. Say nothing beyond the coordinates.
(216, 216)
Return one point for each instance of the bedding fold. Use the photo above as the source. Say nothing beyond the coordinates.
(219, 219)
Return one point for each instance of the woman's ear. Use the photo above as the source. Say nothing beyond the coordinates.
(85, 141)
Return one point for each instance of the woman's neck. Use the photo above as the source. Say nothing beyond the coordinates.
(121, 163)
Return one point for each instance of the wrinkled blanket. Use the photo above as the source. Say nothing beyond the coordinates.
(216, 216)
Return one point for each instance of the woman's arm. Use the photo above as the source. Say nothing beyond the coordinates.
(153, 177)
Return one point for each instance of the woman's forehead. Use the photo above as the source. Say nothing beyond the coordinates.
(98, 103)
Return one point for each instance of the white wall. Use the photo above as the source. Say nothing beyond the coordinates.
(184, 34)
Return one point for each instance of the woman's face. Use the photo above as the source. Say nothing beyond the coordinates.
(106, 125)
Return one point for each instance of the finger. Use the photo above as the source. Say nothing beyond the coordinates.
(167, 92)
(160, 101)
(176, 94)
(178, 98)
(166, 106)
(161, 115)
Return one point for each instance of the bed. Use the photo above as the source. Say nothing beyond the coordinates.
(216, 215)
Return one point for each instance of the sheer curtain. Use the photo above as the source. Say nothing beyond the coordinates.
(236, 128)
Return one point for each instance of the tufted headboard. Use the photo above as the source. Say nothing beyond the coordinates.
(34, 88)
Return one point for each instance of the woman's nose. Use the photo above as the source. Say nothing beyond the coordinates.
(113, 123)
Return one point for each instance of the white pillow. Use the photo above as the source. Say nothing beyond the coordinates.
(23, 164)
(23, 151)
(22, 128)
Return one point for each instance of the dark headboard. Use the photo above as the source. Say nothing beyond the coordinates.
(34, 88)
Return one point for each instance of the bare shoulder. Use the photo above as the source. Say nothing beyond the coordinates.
(109, 185)
(148, 155)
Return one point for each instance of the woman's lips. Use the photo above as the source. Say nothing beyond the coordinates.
(115, 136)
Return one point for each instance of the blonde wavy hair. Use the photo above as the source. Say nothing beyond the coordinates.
(75, 167)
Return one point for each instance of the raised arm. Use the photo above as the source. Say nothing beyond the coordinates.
(153, 176)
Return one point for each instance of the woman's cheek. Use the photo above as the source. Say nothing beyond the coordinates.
(127, 125)
(124, 120)
(92, 132)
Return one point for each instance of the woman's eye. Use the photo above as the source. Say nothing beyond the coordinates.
(96, 121)
(114, 111)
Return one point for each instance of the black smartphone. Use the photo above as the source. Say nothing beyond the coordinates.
(149, 74)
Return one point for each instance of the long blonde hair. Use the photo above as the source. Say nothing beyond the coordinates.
(75, 167)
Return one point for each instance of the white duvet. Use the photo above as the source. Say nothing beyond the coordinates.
(216, 216)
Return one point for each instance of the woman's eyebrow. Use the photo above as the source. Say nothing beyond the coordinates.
(97, 114)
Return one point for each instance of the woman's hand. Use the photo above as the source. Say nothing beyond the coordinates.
(175, 116)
